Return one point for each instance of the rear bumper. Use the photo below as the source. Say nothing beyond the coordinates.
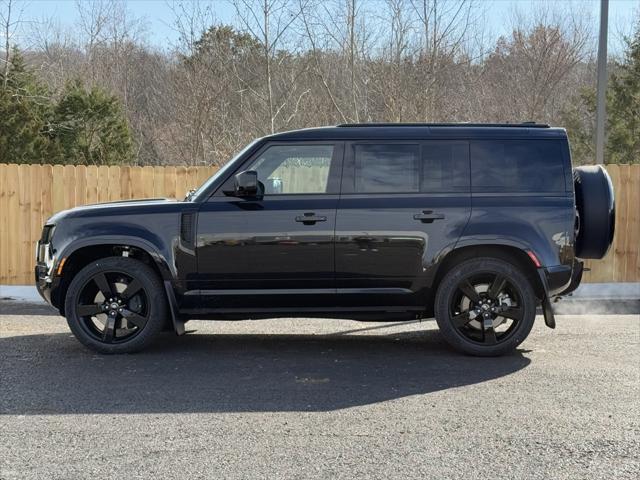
(561, 279)
(576, 278)
(556, 281)
(558, 278)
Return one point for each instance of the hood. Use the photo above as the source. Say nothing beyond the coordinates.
(119, 207)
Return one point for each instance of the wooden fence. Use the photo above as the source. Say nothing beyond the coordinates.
(622, 263)
(29, 194)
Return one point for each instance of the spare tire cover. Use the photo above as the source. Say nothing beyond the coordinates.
(595, 202)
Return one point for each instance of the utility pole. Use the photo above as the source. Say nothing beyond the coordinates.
(601, 106)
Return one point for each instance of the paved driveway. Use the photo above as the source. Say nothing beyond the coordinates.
(312, 398)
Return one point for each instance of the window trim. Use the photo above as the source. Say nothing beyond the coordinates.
(335, 170)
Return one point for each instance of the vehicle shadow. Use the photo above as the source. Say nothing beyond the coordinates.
(54, 374)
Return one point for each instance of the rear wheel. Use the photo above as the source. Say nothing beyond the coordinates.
(485, 307)
(116, 305)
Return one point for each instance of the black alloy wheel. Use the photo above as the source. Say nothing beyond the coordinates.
(485, 306)
(116, 305)
(113, 307)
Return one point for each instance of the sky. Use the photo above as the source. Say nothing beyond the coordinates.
(158, 15)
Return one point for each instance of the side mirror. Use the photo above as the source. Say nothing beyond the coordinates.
(246, 184)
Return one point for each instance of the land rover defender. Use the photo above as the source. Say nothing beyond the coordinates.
(475, 224)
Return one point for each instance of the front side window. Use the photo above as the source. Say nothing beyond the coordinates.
(201, 191)
(387, 168)
(294, 169)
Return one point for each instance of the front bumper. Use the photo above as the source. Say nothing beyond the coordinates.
(44, 283)
(47, 286)
(44, 274)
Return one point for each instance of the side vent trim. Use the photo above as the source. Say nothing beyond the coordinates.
(187, 228)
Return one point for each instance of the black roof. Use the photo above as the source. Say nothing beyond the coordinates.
(416, 131)
(463, 124)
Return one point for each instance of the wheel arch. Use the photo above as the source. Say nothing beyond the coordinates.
(515, 255)
(79, 254)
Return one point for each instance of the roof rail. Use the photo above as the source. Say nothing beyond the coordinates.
(462, 124)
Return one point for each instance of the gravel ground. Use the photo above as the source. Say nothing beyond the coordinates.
(310, 398)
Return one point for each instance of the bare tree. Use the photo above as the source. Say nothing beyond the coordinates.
(285, 64)
(342, 36)
(10, 21)
(532, 66)
(445, 27)
(269, 21)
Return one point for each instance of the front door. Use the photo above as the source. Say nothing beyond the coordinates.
(276, 251)
(403, 204)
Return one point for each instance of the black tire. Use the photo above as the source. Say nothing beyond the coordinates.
(136, 295)
(510, 307)
(595, 202)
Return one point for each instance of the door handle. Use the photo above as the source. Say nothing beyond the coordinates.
(427, 216)
(310, 218)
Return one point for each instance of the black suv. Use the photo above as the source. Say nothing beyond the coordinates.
(476, 225)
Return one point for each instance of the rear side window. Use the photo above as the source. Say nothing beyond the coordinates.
(445, 166)
(436, 166)
(387, 168)
(534, 166)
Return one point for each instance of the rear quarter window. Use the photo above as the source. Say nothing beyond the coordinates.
(531, 166)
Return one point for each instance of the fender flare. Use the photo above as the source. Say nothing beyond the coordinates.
(159, 259)
(470, 243)
(495, 242)
(547, 308)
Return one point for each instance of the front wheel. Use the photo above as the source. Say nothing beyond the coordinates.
(116, 305)
(485, 307)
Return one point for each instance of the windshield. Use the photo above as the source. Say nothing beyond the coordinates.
(221, 171)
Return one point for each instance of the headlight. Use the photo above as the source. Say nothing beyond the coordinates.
(47, 233)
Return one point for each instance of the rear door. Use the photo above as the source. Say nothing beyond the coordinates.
(403, 205)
